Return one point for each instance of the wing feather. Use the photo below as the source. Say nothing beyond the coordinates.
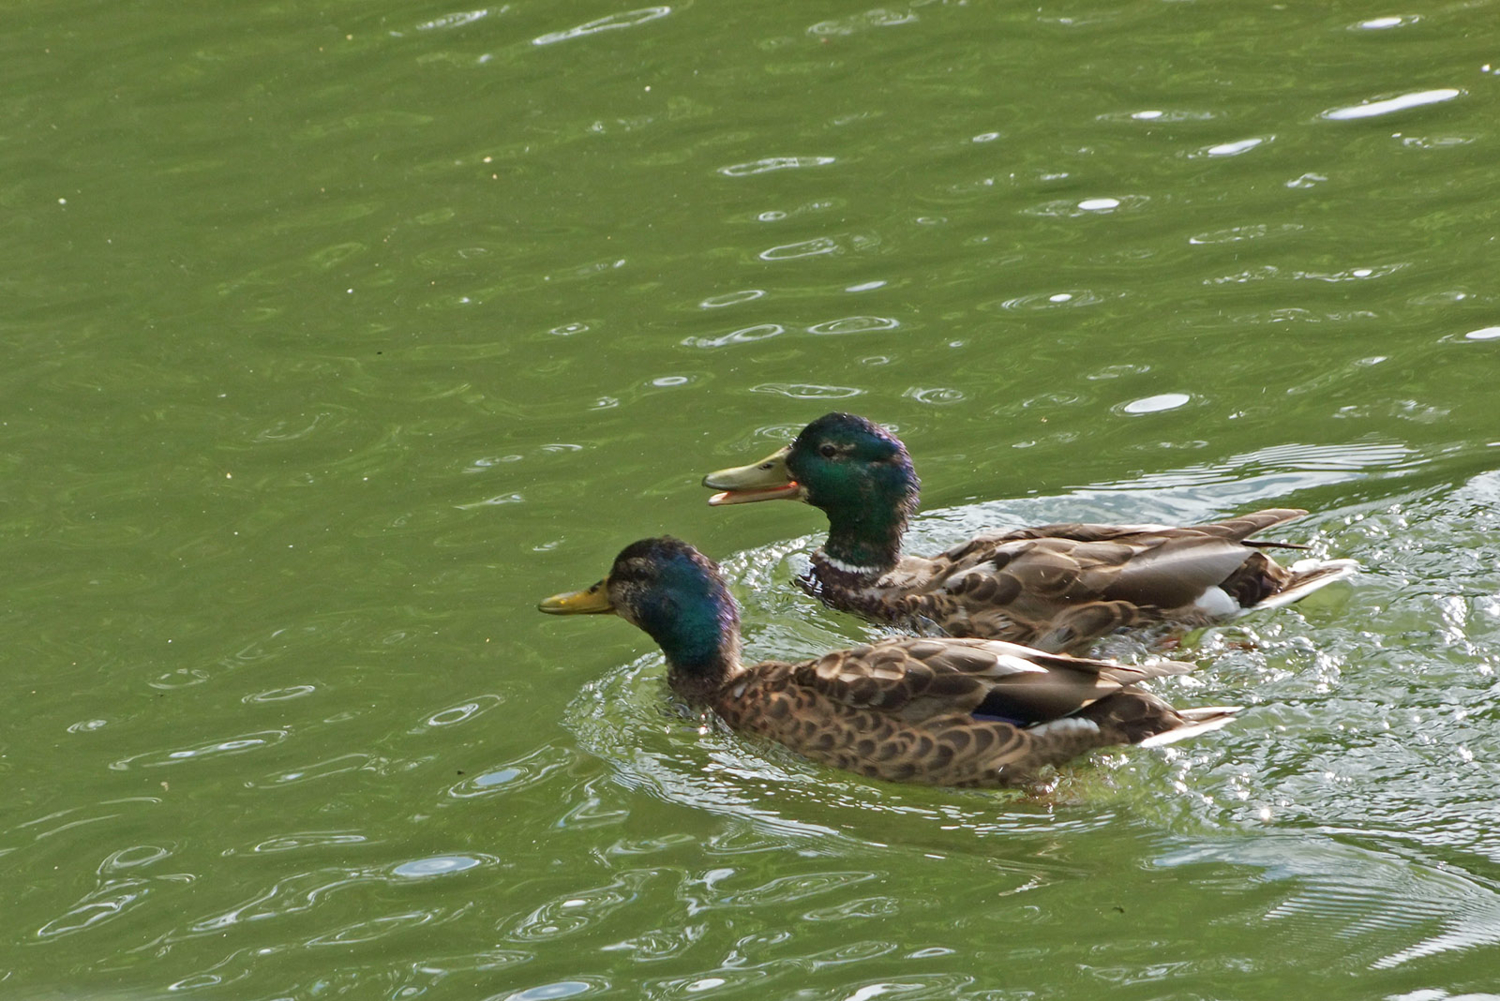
(926, 678)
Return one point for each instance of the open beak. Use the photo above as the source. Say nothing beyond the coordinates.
(590, 601)
(768, 479)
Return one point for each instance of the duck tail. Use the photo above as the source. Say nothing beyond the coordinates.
(1306, 577)
(1194, 722)
(1136, 717)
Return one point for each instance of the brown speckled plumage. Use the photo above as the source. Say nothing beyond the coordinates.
(1059, 587)
(905, 710)
(944, 711)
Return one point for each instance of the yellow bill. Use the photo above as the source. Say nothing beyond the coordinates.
(768, 479)
(590, 601)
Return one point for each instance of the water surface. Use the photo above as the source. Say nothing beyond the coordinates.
(337, 337)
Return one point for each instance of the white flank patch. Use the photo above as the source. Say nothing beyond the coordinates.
(1065, 724)
(1010, 664)
(1217, 602)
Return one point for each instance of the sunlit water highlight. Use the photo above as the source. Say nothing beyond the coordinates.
(337, 337)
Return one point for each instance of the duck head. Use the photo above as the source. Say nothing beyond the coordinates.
(854, 470)
(677, 595)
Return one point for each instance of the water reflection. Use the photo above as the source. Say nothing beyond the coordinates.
(1068, 298)
(624, 19)
(745, 335)
(231, 745)
(880, 17)
(1372, 898)
(492, 184)
(732, 298)
(1390, 105)
(804, 248)
(774, 163)
(1234, 147)
(807, 391)
(1154, 404)
(455, 20)
(554, 991)
(854, 325)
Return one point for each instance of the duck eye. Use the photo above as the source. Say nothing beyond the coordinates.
(827, 450)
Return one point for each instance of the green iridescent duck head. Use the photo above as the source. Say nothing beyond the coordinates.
(676, 594)
(851, 468)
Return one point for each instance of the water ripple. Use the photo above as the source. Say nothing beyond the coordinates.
(1154, 404)
(373, 929)
(1391, 105)
(439, 865)
(232, 745)
(1155, 115)
(732, 298)
(807, 391)
(338, 764)
(114, 895)
(804, 248)
(1366, 896)
(1063, 298)
(1271, 272)
(578, 909)
(280, 694)
(108, 902)
(294, 893)
(556, 990)
(771, 164)
(624, 19)
(1068, 208)
(132, 857)
(854, 325)
(459, 18)
(1233, 148)
(1201, 492)
(303, 840)
(745, 335)
(878, 18)
(1237, 234)
(461, 713)
(935, 395)
(1382, 23)
(512, 776)
(785, 889)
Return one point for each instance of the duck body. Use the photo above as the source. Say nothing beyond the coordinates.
(921, 710)
(1056, 587)
(1059, 587)
(944, 711)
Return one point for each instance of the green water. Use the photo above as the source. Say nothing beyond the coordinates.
(337, 335)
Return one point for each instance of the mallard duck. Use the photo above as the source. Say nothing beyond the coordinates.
(944, 711)
(1056, 587)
